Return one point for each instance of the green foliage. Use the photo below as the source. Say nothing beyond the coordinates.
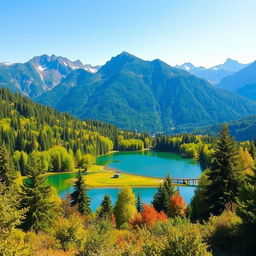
(177, 237)
(247, 211)
(139, 204)
(125, 209)
(79, 195)
(131, 145)
(98, 240)
(106, 208)
(185, 241)
(198, 206)
(60, 159)
(161, 198)
(10, 217)
(188, 145)
(27, 127)
(205, 156)
(241, 130)
(7, 172)
(36, 199)
(224, 176)
(189, 150)
(87, 160)
(69, 232)
(221, 233)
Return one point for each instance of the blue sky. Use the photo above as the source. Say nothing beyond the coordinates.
(204, 32)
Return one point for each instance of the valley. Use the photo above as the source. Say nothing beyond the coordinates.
(131, 93)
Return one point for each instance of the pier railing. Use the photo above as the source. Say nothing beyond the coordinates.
(186, 181)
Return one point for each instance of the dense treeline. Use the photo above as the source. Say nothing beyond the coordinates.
(59, 140)
(131, 144)
(201, 147)
(34, 221)
(188, 145)
(220, 220)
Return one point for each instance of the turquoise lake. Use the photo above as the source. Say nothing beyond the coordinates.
(148, 163)
(151, 163)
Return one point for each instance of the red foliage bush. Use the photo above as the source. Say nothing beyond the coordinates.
(148, 216)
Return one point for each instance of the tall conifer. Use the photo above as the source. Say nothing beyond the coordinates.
(36, 199)
(139, 204)
(79, 197)
(7, 171)
(162, 196)
(223, 175)
(106, 207)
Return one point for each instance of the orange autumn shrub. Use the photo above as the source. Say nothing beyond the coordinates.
(177, 206)
(148, 216)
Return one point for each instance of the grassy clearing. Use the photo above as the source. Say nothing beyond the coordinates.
(97, 176)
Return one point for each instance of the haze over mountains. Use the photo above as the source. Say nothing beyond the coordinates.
(129, 92)
(214, 74)
(243, 82)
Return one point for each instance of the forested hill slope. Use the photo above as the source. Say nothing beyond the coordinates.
(27, 127)
(244, 129)
(146, 96)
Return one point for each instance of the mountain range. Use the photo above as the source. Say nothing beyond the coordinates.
(214, 74)
(242, 82)
(145, 96)
(39, 74)
(127, 91)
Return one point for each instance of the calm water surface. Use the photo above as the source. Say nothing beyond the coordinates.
(151, 163)
(147, 163)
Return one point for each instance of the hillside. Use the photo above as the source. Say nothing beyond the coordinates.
(146, 96)
(27, 126)
(244, 129)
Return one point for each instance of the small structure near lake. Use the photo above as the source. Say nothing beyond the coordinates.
(117, 175)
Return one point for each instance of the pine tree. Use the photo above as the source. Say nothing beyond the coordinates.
(168, 185)
(162, 196)
(79, 197)
(223, 175)
(36, 199)
(161, 199)
(22, 164)
(106, 209)
(7, 171)
(139, 204)
(246, 209)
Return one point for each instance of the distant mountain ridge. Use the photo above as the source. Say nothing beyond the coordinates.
(146, 96)
(40, 74)
(214, 74)
(242, 82)
(243, 129)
